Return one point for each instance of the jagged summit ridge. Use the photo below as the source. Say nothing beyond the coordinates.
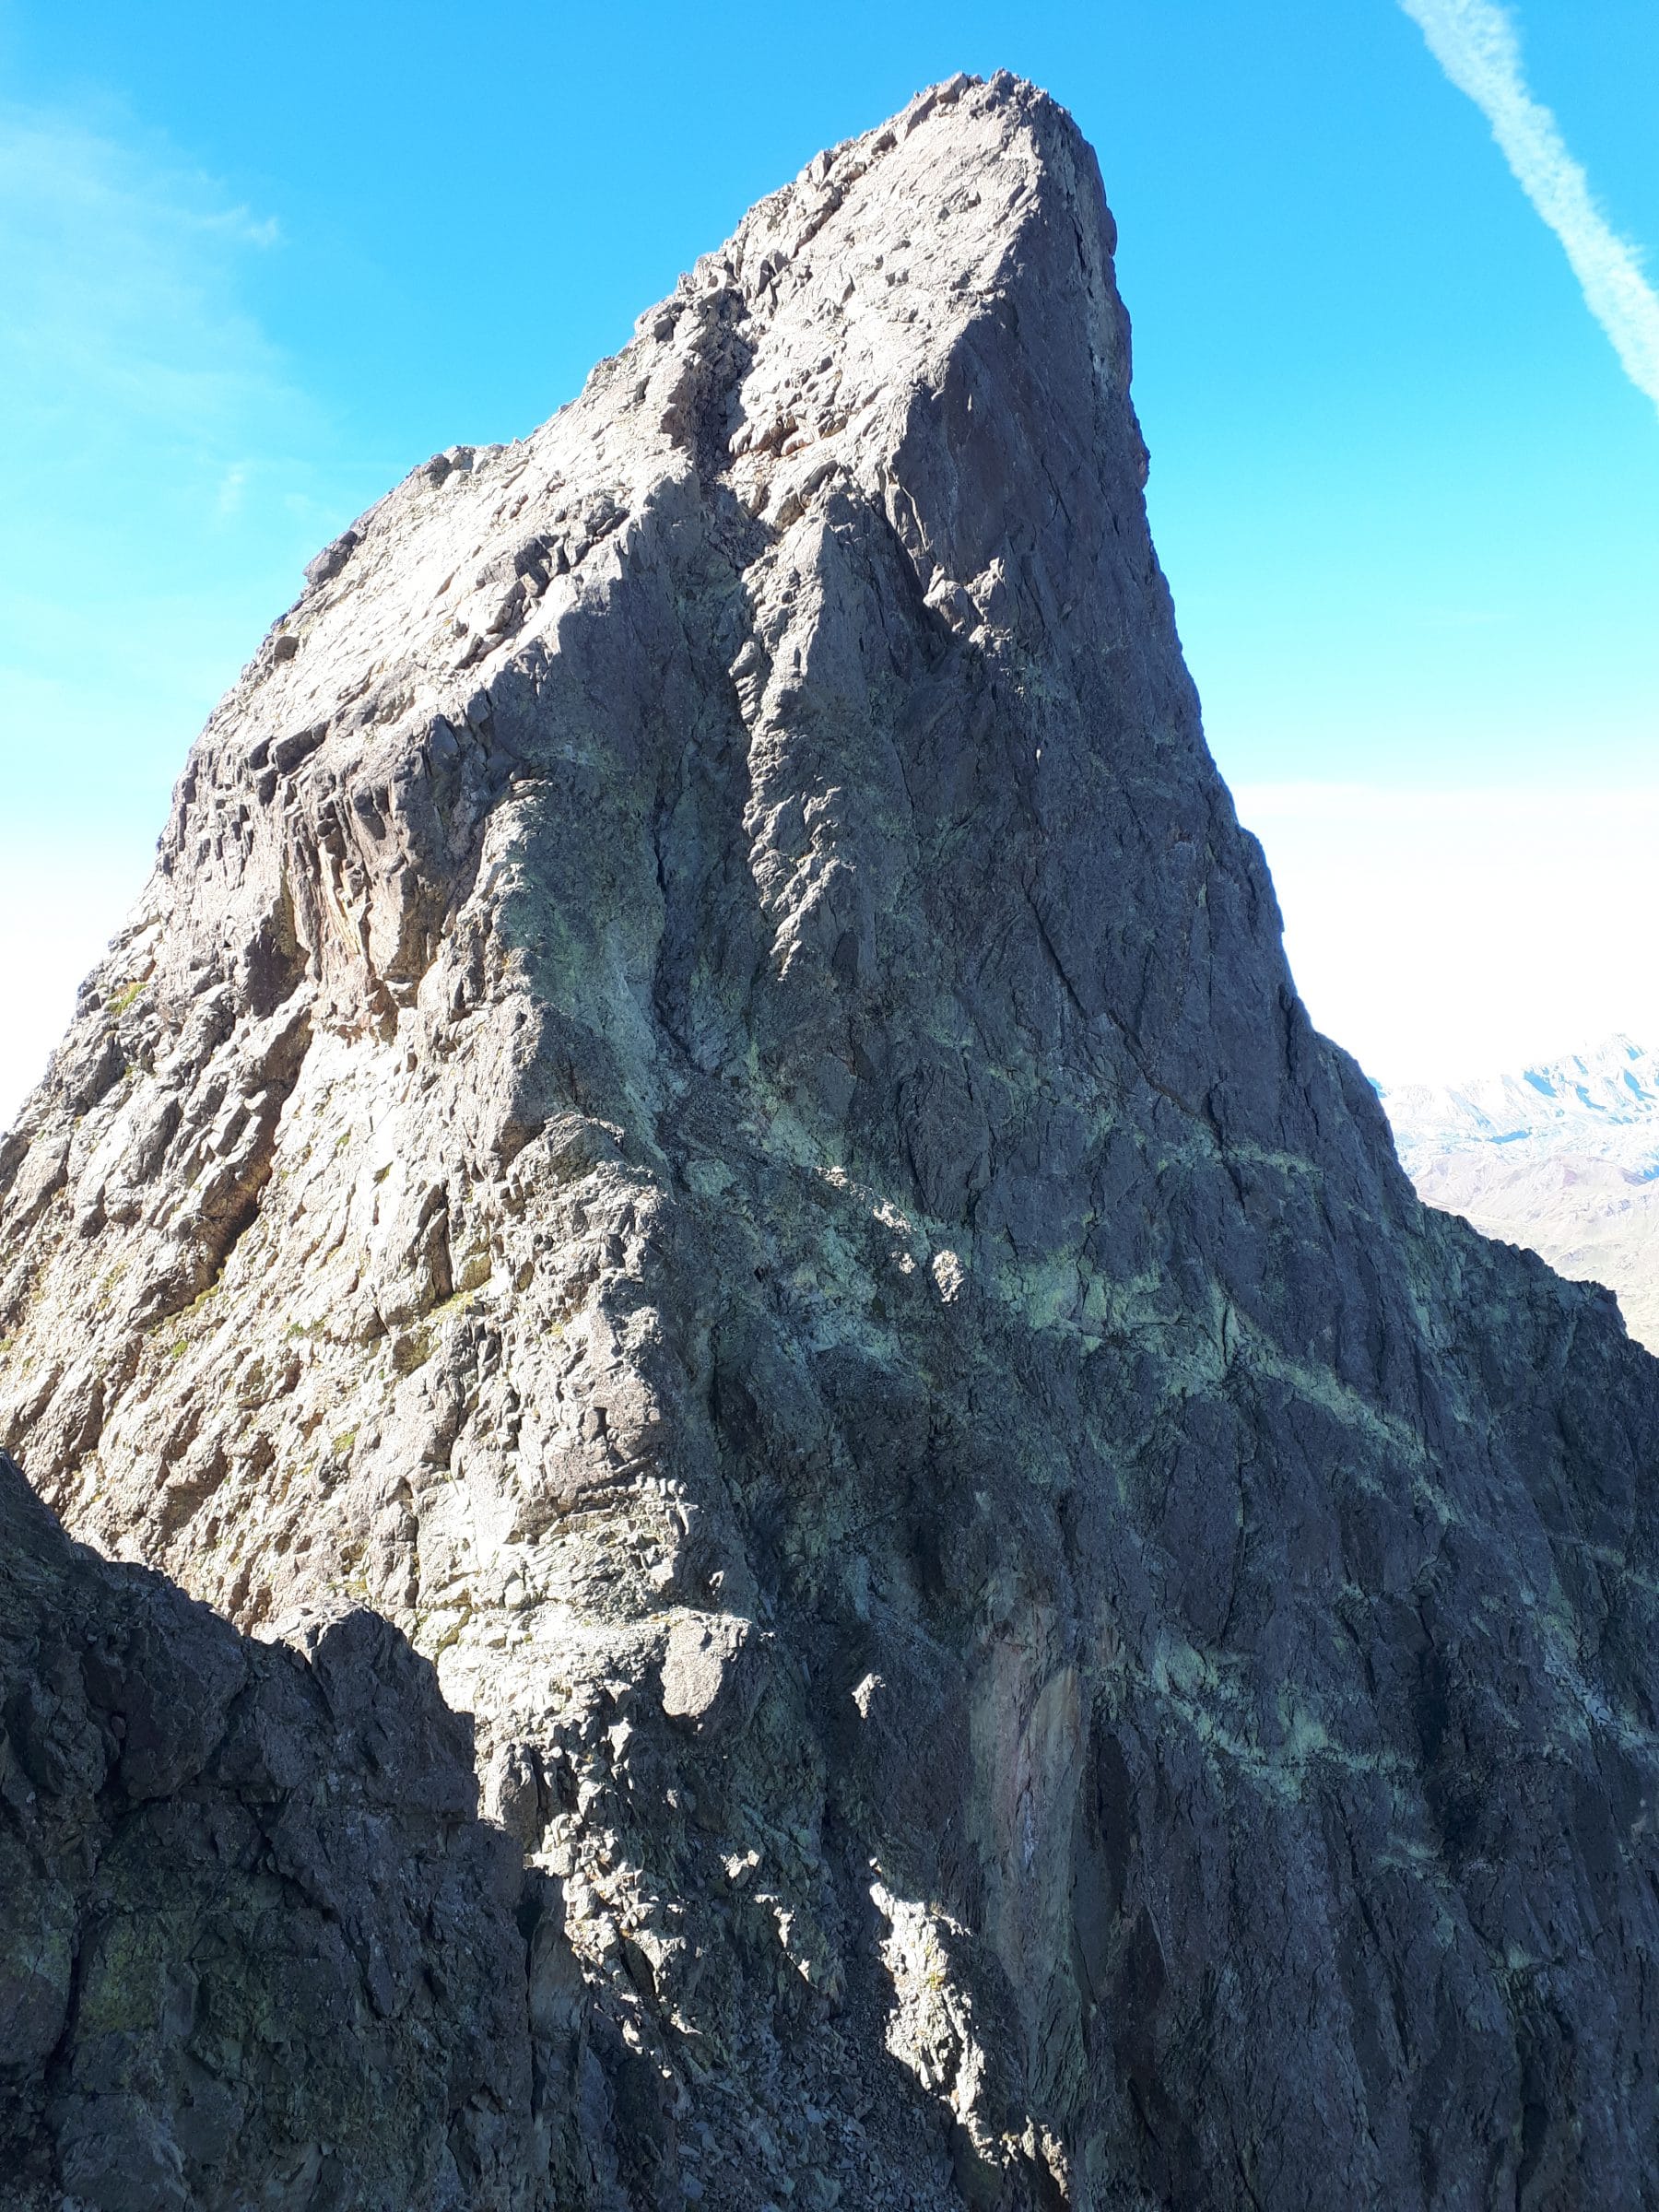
(705, 1109)
(782, 370)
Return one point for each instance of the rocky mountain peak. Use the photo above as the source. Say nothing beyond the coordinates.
(782, 382)
(705, 1111)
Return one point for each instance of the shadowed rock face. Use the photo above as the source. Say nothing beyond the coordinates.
(705, 1107)
(255, 1944)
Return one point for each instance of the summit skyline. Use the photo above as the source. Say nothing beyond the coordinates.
(1403, 485)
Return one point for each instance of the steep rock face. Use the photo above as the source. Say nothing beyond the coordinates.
(255, 1944)
(705, 1107)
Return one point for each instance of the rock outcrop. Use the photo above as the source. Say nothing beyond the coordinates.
(705, 1109)
(255, 1944)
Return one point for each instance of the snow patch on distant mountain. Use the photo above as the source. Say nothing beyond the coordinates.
(1562, 1158)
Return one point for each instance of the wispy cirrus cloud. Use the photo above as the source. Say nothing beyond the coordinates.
(122, 271)
(159, 452)
(160, 447)
(1475, 43)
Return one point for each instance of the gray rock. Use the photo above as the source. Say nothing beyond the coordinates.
(254, 1944)
(705, 1109)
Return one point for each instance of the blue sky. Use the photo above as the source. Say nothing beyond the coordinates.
(256, 267)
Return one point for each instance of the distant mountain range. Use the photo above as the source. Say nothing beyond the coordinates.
(1564, 1157)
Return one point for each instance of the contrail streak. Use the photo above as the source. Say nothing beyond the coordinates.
(1474, 44)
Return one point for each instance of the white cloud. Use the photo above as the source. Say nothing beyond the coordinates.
(1474, 44)
(1444, 933)
(155, 444)
(120, 269)
(145, 407)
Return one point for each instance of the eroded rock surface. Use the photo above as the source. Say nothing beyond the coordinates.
(705, 1109)
(255, 1944)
